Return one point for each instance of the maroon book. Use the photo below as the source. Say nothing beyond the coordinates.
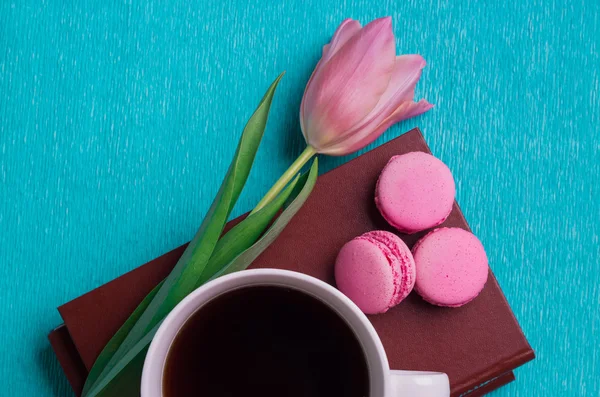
(477, 345)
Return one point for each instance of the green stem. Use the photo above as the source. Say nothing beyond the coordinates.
(287, 176)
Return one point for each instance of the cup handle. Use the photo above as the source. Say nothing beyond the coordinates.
(419, 384)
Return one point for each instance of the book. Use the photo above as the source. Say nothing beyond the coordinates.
(477, 345)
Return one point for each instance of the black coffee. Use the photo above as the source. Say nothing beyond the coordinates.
(266, 341)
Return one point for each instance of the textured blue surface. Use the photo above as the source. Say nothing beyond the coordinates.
(118, 119)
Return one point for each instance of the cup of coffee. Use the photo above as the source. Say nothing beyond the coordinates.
(270, 332)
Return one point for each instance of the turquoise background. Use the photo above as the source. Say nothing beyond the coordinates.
(119, 118)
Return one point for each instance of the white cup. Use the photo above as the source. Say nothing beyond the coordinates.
(383, 381)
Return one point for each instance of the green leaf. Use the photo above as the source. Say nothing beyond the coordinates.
(239, 238)
(121, 377)
(244, 234)
(182, 280)
(118, 338)
(127, 381)
(296, 200)
(295, 195)
(240, 168)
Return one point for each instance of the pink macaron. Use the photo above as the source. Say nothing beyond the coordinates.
(452, 267)
(415, 191)
(376, 271)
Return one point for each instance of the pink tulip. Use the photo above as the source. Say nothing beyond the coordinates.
(359, 89)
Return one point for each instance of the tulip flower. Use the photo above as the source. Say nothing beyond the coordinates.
(358, 90)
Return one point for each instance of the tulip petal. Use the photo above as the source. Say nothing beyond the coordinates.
(347, 29)
(364, 137)
(350, 84)
(406, 74)
(408, 110)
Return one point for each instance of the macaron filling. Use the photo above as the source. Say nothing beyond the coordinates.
(375, 270)
(399, 259)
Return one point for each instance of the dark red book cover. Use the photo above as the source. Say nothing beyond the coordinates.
(477, 345)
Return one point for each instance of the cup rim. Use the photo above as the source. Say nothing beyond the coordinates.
(153, 370)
